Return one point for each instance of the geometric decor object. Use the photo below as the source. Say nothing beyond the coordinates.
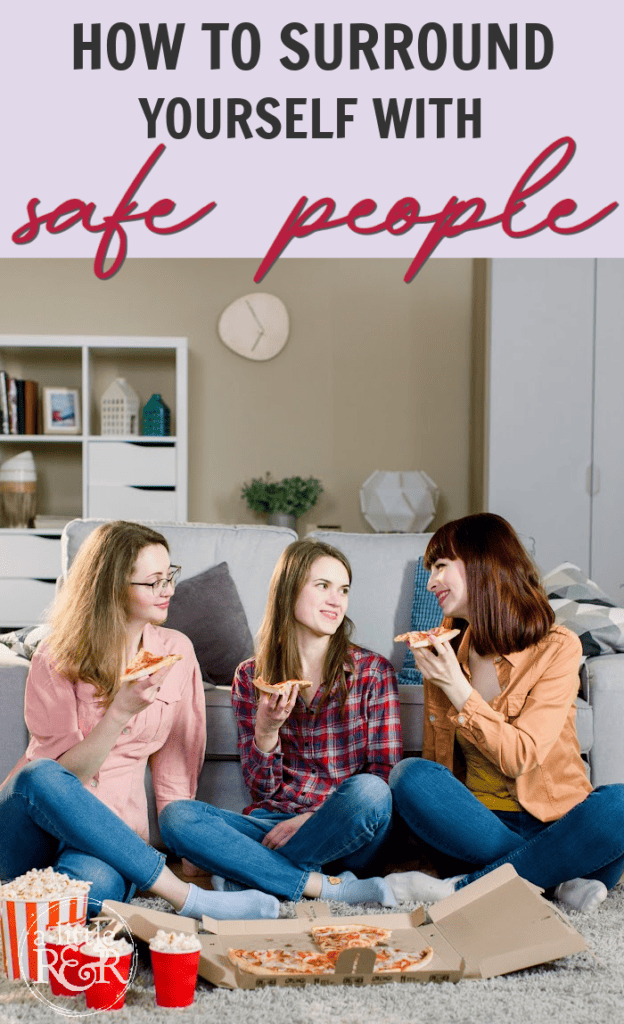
(396, 502)
(119, 409)
(156, 417)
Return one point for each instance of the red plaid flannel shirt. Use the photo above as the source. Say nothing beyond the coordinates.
(316, 752)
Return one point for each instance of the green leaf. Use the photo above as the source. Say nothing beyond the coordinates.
(291, 496)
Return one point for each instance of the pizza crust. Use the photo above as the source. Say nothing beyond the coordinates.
(420, 638)
(141, 665)
(285, 687)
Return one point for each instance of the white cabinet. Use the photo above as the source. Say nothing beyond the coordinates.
(555, 437)
(607, 509)
(135, 479)
(30, 563)
(132, 462)
(91, 475)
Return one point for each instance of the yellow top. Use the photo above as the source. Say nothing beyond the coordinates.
(485, 780)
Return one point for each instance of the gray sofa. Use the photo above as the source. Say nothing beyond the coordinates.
(380, 603)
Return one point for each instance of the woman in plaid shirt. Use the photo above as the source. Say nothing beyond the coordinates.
(316, 761)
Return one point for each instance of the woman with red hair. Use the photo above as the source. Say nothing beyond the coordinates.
(501, 779)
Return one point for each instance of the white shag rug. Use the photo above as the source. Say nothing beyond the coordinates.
(587, 988)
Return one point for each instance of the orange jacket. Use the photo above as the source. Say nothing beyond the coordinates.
(528, 731)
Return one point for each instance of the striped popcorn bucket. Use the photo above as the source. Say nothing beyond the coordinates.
(23, 924)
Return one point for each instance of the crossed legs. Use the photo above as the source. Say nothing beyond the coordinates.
(350, 826)
(587, 842)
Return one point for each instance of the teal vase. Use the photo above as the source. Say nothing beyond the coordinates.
(156, 418)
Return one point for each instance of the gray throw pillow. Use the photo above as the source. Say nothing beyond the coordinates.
(208, 610)
(583, 607)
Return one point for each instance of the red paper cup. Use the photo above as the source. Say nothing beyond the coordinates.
(23, 923)
(105, 980)
(64, 962)
(175, 976)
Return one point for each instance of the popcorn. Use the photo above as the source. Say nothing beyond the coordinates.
(29, 906)
(106, 946)
(43, 884)
(174, 942)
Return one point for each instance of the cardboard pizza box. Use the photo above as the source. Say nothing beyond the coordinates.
(496, 925)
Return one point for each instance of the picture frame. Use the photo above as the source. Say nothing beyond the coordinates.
(61, 411)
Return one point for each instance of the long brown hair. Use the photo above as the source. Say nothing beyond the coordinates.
(507, 606)
(89, 617)
(277, 655)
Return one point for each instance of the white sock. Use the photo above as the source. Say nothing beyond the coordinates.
(420, 888)
(582, 894)
(229, 906)
(349, 889)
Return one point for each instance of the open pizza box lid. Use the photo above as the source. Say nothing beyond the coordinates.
(496, 925)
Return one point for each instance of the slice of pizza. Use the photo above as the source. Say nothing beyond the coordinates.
(284, 687)
(145, 664)
(335, 938)
(420, 637)
(395, 960)
(281, 961)
(308, 962)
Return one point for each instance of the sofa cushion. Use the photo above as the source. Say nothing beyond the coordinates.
(251, 553)
(208, 610)
(584, 608)
(382, 591)
(426, 613)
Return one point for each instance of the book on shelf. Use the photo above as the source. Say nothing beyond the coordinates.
(31, 407)
(21, 418)
(12, 399)
(4, 403)
(19, 405)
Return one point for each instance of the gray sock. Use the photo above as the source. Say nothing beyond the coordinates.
(229, 905)
(220, 884)
(350, 889)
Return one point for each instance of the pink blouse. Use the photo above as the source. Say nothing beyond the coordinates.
(170, 733)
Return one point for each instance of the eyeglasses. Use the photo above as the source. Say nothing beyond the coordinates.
(159, 586)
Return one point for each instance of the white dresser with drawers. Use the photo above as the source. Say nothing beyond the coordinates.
(89, 474)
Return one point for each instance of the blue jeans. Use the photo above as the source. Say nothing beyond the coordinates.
(587, 842)
(350, 826)
(48, 818)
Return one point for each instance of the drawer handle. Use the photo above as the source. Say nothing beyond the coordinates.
(149, 487)
(152, 444)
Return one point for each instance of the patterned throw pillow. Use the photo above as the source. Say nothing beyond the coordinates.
(586, 610)
(426, 613)
(24, 642)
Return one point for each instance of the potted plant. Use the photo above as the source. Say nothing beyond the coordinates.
(282, 501)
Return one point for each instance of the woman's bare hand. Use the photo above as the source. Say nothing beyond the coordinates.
(136, 695)
(273, 710)
(285, 830)
(441, 667)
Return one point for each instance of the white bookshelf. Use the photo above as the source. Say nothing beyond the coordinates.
(90, 474)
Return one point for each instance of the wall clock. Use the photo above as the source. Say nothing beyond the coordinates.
(255, 326)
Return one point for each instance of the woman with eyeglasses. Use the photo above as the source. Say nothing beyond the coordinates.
(76, 801)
